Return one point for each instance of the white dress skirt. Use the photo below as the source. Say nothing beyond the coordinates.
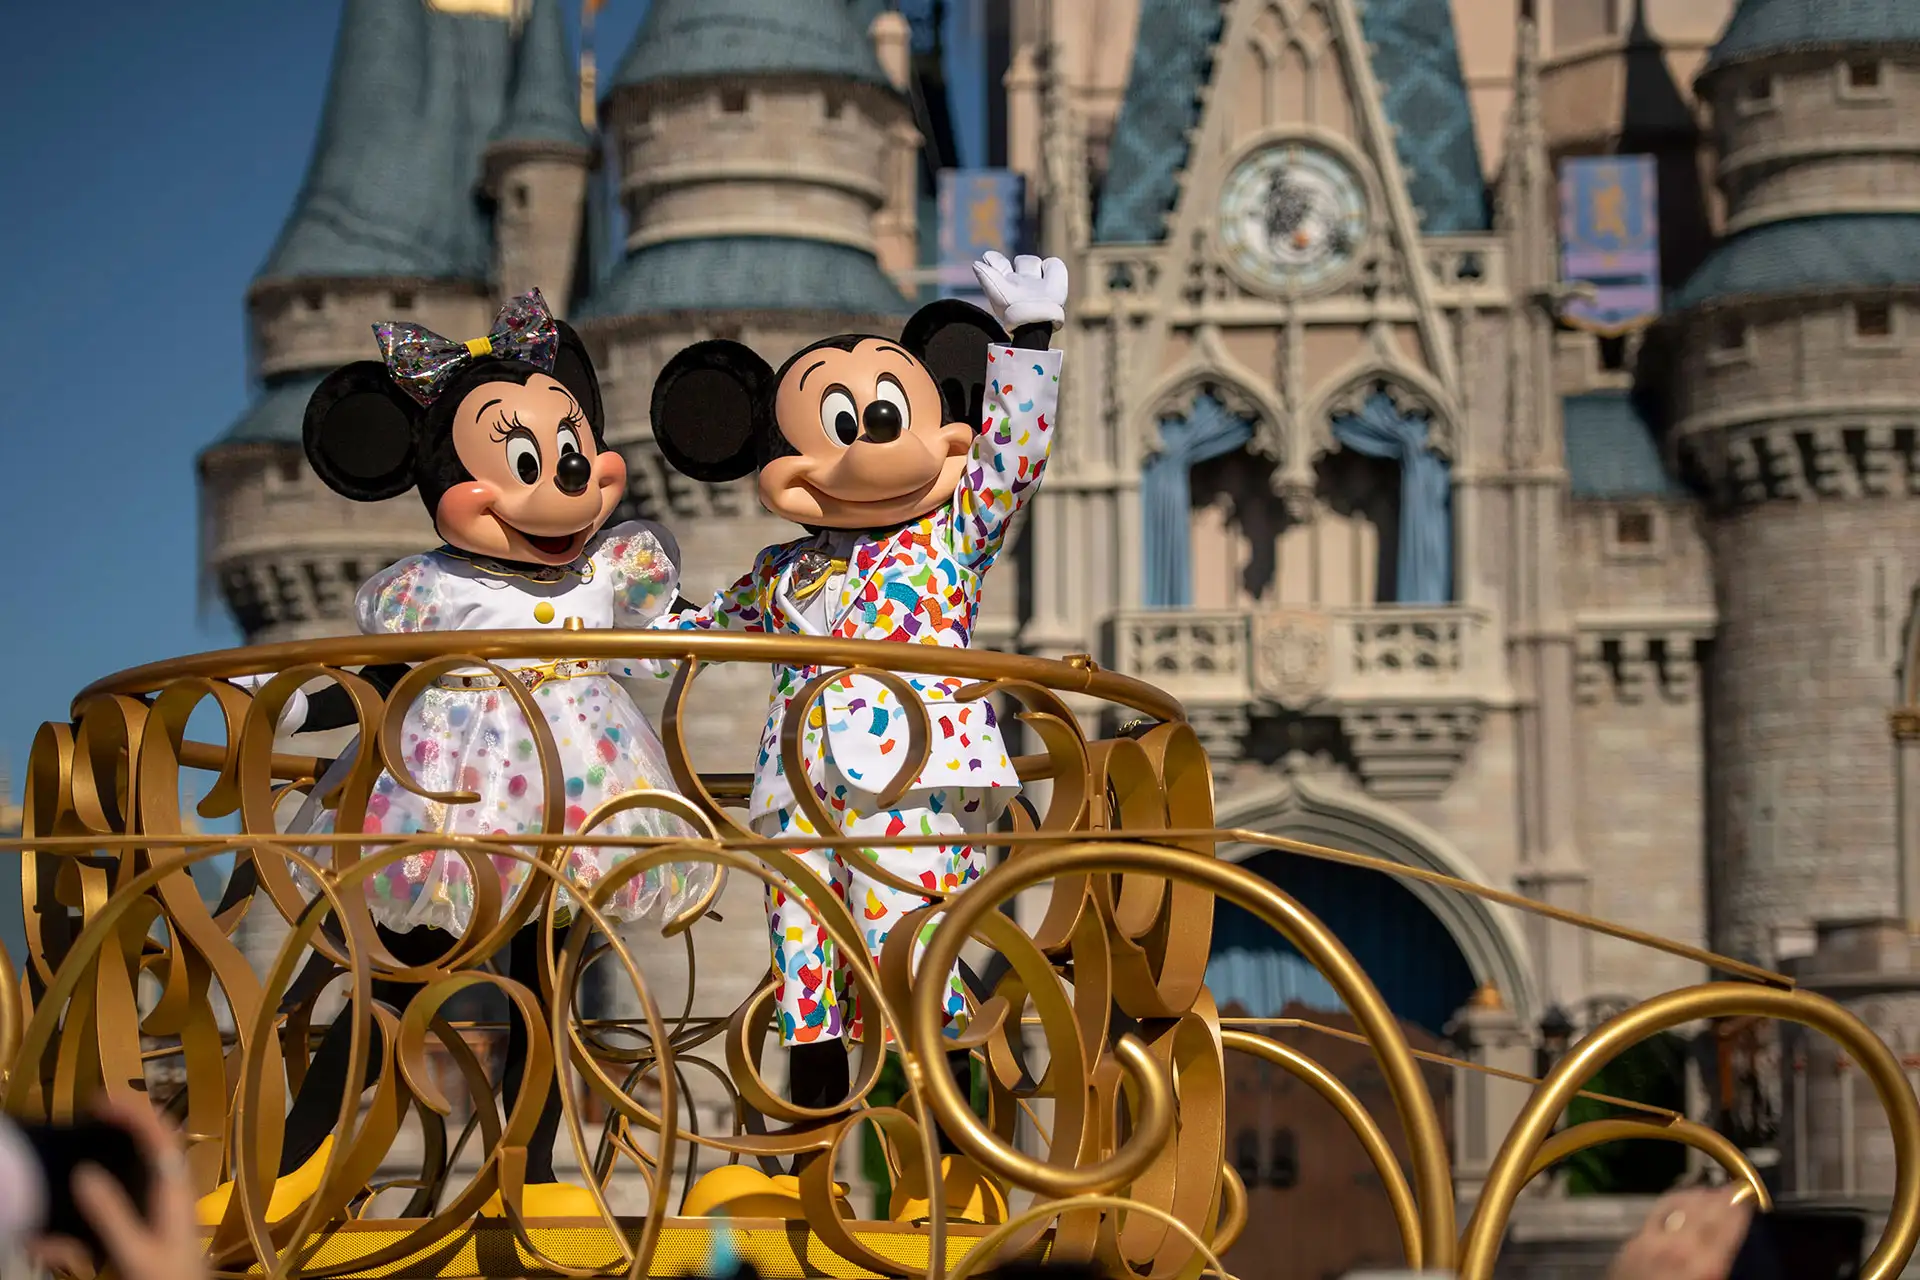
(461, 738)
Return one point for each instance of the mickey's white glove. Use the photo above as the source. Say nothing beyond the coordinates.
(293, 715)
(1024, 291)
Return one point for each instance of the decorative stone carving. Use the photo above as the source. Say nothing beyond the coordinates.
(656, 491)
(1634, 659)
(1222, 732)
(1805, 461)
(1405, 400)
(1292, 657)
(1410, 752)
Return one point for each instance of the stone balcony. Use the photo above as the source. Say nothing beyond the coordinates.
(1409, 685)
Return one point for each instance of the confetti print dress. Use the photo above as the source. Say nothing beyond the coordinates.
(918, 584)
(475, 739)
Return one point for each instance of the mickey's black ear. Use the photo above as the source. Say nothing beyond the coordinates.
(951, 338)
(705, 406)
(359, 433)
(573, 369)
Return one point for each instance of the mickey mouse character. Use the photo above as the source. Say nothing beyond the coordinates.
(906, 459)
(503, 439)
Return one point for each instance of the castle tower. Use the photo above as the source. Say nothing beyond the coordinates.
(536, 166)
(1794, 417)
(766, 161)
(392, 221)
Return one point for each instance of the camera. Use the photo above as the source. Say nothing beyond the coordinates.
(36, 1178)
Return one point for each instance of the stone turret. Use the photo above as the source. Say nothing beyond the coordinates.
(1796, 380)
(536, 165)
(426, 101)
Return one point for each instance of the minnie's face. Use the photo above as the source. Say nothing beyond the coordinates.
(540, 487)
(873, 446)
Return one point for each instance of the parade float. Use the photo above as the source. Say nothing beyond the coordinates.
(1101, 1119)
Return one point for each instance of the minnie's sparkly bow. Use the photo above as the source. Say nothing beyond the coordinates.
(421, 361)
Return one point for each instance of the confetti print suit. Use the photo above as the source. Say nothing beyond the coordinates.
(917, 584)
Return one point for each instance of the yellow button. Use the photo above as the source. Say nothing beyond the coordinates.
(543, 612)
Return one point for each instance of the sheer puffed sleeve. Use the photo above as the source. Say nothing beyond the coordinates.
(407, 596)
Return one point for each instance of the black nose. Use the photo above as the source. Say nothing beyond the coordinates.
(882, 421)
(573, 473)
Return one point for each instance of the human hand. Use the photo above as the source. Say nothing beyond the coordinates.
(1024, 291)
(165, 1244)
(293, 715)
(1690, 1235)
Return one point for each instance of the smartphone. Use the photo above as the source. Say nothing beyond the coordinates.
(60, 1149)
(1792, 1244)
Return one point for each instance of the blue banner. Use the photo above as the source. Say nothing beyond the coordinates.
(1610, 241)
(980, 209)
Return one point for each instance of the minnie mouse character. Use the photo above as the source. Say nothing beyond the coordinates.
(906, 459)
(503, 439)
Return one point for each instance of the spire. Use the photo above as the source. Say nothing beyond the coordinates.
(1525, 183)
(544, 106)
(414, 94)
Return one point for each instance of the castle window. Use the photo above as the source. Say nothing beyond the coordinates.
(1632, 533)
(1863, 75)
(402, 299)
(835, 106)
(1874, 324)
(1757, 94)
(1864, 80)
(1246, 1156)
(1730, 340)
(521, 196)
(1633, 528)
(312, 299)
(1613, 353)
(1284, 1170)
(733, 101)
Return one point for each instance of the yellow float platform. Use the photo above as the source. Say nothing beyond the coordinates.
(778, 1250)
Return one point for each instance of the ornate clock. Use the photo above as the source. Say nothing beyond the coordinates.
(1293, 215)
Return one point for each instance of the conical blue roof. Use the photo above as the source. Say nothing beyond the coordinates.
(392, 186)
(544, 105)
(745, 273)
(1760, 28)
(704, 39)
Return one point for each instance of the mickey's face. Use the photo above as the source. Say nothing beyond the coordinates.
(871, 440)
(540, 487)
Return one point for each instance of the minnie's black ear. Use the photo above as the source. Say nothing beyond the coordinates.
(359, 433)
(573, 369)
(951, 338)
(706, 405)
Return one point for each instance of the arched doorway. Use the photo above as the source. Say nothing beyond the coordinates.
(1316, 1206)
(1401, 945)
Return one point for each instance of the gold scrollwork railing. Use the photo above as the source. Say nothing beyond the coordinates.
(129, 969)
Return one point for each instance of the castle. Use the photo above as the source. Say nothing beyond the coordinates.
(1613, 621)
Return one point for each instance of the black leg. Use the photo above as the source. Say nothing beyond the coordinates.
(960, 1067)
(523, 967)
(818, 1076)
(317, 1106)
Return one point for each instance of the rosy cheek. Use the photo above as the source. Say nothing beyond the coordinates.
(465, 510)
(610, 470)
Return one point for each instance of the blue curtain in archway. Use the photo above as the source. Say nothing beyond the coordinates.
(1408, 953)
(1381, 430)
(1208, 431)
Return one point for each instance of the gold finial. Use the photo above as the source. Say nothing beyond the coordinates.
(574, 624)
(589, 74)
(1487, 997)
